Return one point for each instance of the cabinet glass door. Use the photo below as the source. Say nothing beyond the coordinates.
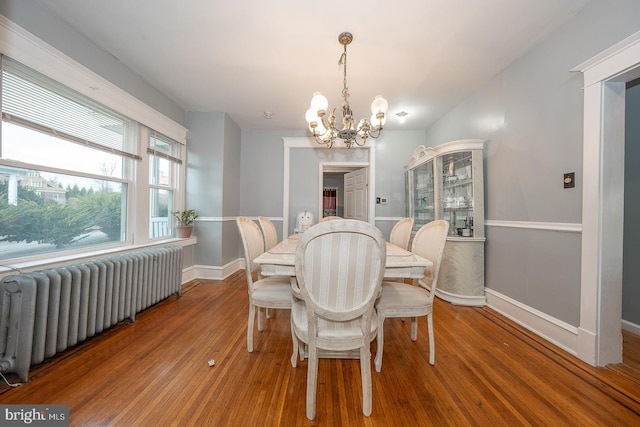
(423, 194)
(456, 198)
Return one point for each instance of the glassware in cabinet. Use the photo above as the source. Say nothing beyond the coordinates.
(456, 204)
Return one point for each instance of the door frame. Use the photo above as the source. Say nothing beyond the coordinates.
(340, 167)
(308, 142)
(599, 340)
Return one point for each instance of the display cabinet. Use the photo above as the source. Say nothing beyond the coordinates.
(447, 182)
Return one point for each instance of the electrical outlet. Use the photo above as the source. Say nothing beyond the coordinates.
(569, 180)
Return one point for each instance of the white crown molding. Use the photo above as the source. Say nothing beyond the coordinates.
(612, 62)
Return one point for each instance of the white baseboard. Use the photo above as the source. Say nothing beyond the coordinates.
(551, 329)
(477, 301)
(211, 272)
(631, 327)
(188, 274)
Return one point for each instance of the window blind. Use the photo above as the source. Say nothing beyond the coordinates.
(165, 147)
(35, 101)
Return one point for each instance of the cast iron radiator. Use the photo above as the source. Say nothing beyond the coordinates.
(43, 313)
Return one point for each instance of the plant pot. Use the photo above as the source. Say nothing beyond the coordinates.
(184, 231)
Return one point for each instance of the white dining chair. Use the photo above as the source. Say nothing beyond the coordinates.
(399, 299)
(265, 292)
(269, 232)
(401, 233)
(339, 268)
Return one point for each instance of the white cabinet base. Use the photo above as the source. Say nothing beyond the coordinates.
(461, 279)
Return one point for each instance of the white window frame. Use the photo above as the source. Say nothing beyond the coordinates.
(33, 52)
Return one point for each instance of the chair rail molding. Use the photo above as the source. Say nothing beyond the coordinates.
(531, 225)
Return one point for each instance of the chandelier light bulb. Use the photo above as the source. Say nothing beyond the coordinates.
(311, 116)
(377, 122)
(320, 129)
(379, 105)
(319, 102)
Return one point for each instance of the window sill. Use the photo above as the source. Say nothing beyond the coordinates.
(86, 256)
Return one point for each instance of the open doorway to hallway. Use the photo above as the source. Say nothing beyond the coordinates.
(337, 197)
(631, 235)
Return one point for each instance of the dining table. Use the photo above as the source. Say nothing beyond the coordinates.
(400, 263)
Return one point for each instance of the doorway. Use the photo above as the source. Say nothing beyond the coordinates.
(599, 340)
(359, 158)
(332, 177)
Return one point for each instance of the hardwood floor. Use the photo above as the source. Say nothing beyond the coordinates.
(488, 372)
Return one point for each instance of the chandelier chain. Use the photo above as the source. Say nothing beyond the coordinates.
(343, 62)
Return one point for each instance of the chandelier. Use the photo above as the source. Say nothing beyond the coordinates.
(324, 128)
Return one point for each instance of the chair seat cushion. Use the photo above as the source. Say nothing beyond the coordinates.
(396, 295)
(276, 290)
(349, 329)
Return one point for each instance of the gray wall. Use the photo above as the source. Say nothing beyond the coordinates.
(213, 185)
(392, 154)
(631, 243)
(531, 115)
(261, 173)
(231, 191)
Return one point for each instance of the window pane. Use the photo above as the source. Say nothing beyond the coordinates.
(33, 99)
(42, 212)
(160, 171)
(160, 213)
(29, 146)
(164, 146)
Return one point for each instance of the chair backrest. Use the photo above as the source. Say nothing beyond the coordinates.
(339, 268)
(429, 242)
(252, 242)
(330, 218)
(401, 233)
(268, 232)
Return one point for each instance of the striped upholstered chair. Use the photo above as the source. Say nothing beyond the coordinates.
(265, 292)
(401, 233)
(269, 232)
(339, 268)
(399, 299)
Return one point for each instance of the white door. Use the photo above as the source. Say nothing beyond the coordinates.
(355, 195)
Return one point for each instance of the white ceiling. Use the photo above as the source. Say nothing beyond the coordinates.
(246, 57)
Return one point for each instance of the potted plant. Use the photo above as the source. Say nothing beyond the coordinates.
(185, 221)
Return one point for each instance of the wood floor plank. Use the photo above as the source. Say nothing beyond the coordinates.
(489, 371)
